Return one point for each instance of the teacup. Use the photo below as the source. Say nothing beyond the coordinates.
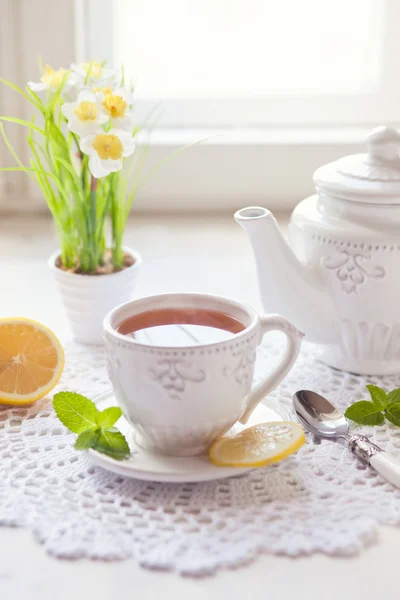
(179, 399)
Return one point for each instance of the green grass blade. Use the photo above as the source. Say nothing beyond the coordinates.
(24, 123)
(19, 90)
(10, 147)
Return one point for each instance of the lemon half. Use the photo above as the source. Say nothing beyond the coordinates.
(31, 360)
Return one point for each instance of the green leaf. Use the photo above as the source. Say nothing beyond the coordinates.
(112, 443)
(75, 411)
(392, 413)
(393, 397)
(109, 416)
(87, 439)
(364, 413)
(378, 396)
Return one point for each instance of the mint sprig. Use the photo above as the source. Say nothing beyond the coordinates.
(374, 412)
(95, 428)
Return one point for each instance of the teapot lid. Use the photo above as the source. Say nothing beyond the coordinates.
(372, 177)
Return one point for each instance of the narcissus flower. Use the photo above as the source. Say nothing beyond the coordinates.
(98, 75)
(84, 116)
(106, 151)
(101, 91)
(116, 106)
(51, 80)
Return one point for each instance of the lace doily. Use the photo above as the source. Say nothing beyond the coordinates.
(321, 499)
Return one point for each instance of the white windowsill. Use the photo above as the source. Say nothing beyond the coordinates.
(230, 169)
(294, 136)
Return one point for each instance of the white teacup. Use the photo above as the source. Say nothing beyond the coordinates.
(180, 399)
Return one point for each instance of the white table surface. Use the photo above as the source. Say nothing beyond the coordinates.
(197, 254)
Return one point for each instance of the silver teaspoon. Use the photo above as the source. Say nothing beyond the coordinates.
(322, 419)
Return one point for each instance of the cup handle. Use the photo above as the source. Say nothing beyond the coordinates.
(294, 337)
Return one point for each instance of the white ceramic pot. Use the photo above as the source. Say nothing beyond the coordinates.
(88, 298)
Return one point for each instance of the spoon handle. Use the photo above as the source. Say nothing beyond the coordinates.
(388, 466)
(384, 463)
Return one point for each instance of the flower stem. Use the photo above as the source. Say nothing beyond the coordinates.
(93, 213)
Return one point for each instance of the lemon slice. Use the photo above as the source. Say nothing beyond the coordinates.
(31, 360)
(260, 445)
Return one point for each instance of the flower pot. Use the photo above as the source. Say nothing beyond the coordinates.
(88, 298)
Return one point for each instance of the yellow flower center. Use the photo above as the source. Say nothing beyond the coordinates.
(86, 111)
(114, 105)
(51, 77)
(96, 70)
(108, 146)
(104, 90)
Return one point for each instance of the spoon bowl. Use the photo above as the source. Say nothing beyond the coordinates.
(319, 416)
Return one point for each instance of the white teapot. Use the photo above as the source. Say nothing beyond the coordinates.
(338, 279)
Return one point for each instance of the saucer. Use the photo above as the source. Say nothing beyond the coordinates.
(149, 466)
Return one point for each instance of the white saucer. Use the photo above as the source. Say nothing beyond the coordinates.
(148, 466)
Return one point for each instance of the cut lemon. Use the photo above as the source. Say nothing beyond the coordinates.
(31, 360)
(259, 445)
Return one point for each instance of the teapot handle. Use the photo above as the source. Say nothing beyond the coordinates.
(294, 338)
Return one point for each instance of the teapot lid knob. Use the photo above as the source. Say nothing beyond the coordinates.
(371, 177)
(383, 144)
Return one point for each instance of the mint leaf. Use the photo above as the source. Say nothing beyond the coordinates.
(393, 397)
(75, 411)
(109, 416)
(392, 413)
(378, 396)
(112, 443)
(364, 413)
(95, 428)
(87, 439)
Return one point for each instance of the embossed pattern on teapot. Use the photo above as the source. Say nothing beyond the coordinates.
(338, 279)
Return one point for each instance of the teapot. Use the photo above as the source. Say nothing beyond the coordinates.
(338, 276)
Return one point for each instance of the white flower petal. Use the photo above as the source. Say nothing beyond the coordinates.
(78, 71)
(124, 136)
(102, 117)
(86, 95)
(68, 109)
(72, 79)
(73, 125)
(99, 97)
(84, 128)
(37, 86)
(112, 165)
(128, 150)
(96, 167)
(86, 145)
(123, 93)
(108, 73)
(103, 112)
(91, 128)
(125, 122)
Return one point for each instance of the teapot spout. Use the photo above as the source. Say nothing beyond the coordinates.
(287, 286)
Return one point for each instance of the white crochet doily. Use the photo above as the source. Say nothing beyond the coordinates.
(321, 499)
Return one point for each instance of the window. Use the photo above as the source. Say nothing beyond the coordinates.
(277, 87)
(256, 63)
